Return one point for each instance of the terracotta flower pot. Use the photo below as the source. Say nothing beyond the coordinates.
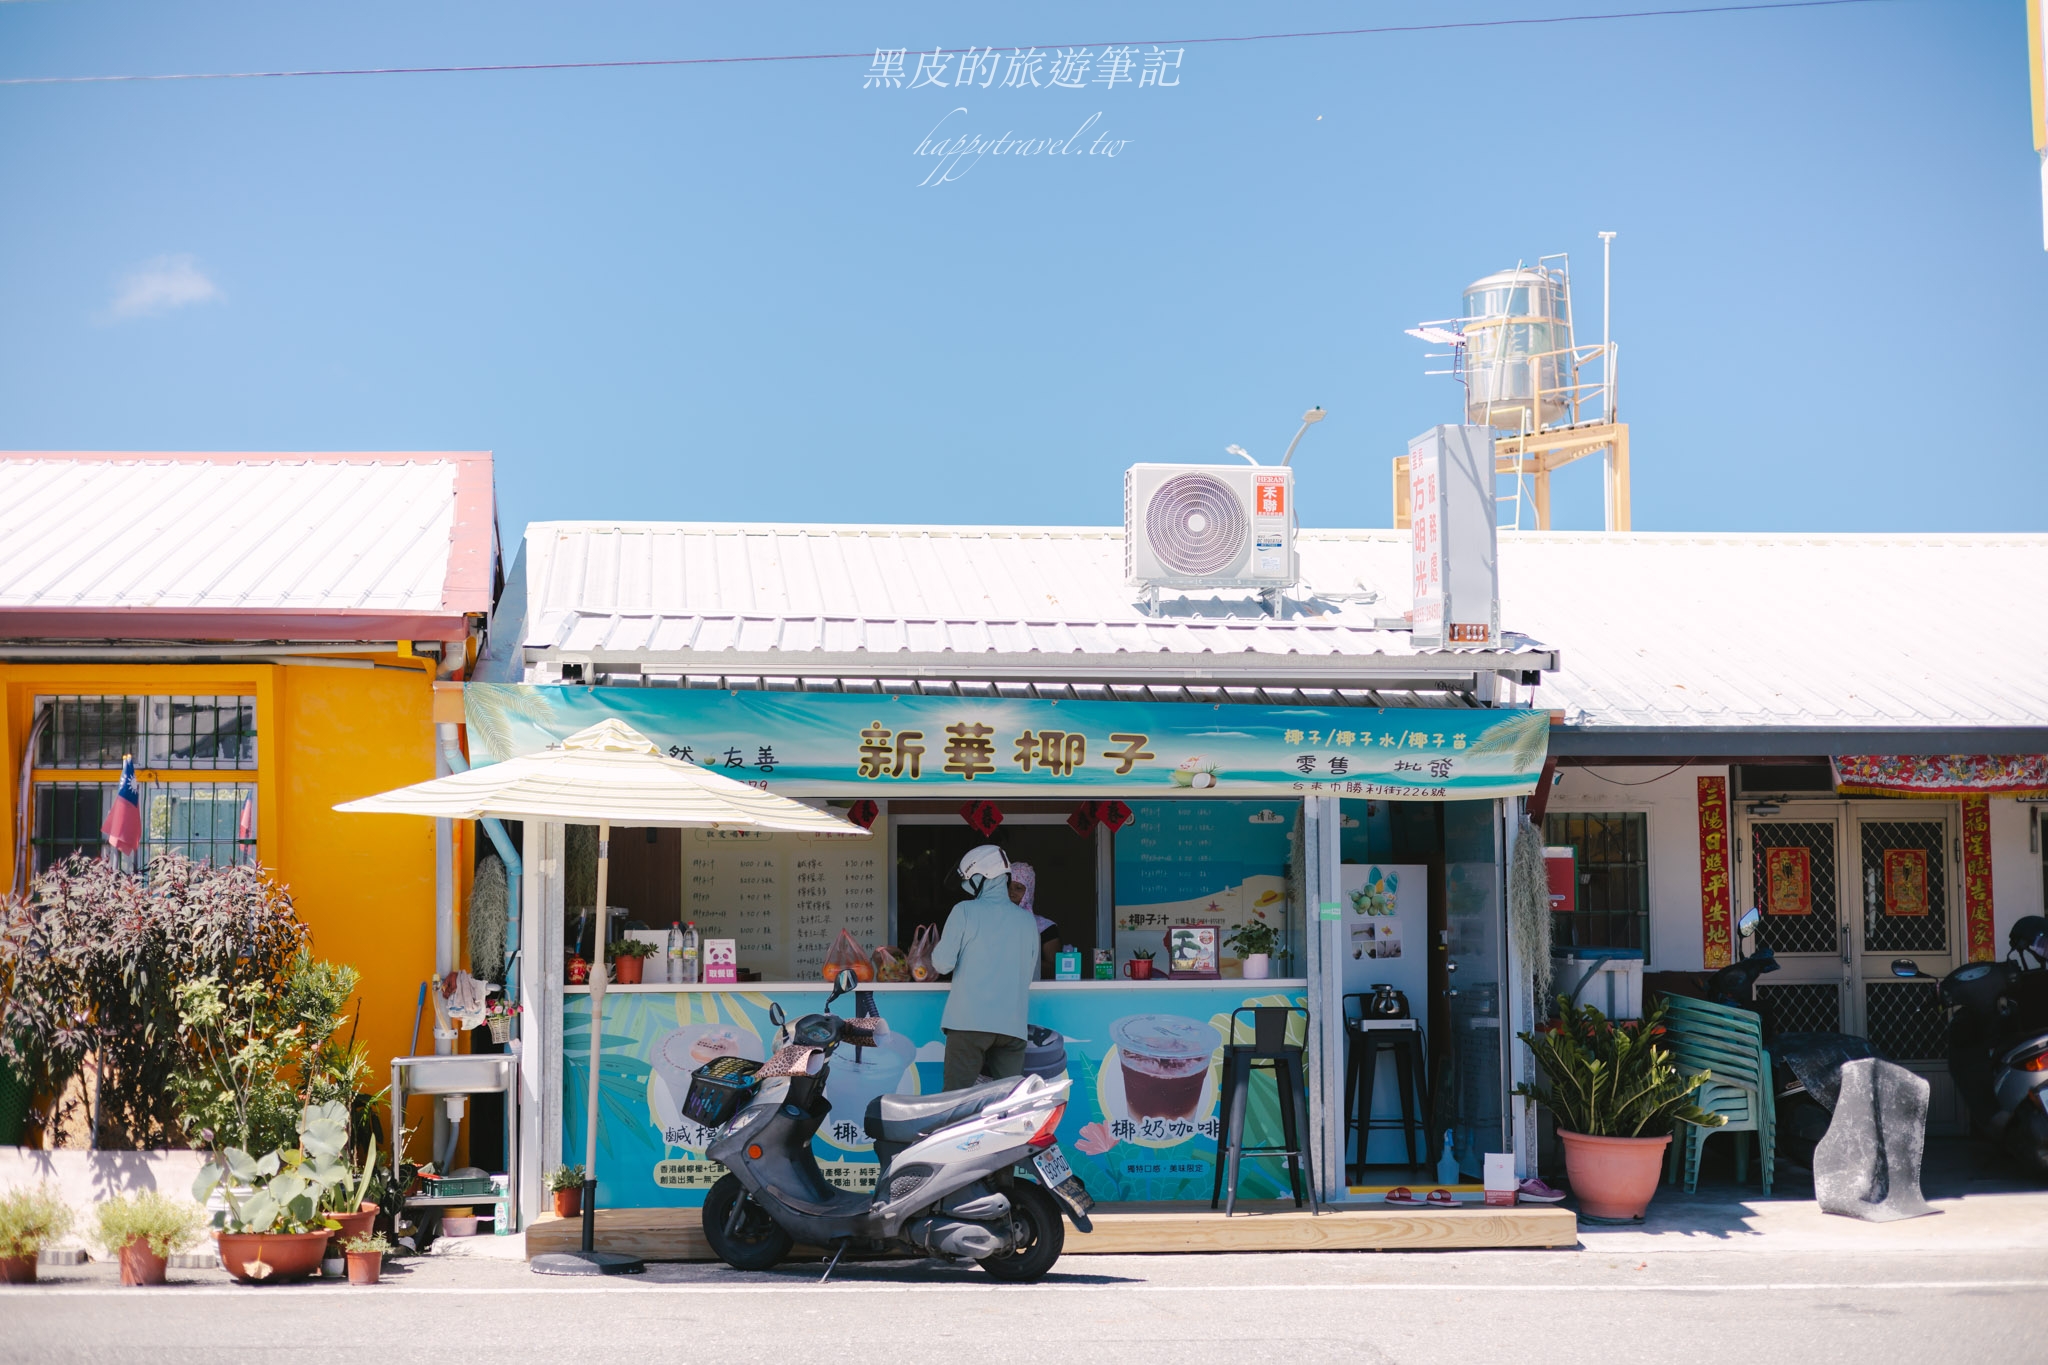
(140, 1265)
(1613, 1177)
(626, 970)
(365, 1266)
(18, 1269)
(271, 1257)
(352, 1225)
(568, 1204)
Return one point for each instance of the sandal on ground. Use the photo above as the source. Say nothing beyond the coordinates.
(1401, 1194)
(1536, 1192)
(1442, 1199)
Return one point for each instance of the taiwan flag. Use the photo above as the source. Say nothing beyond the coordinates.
(123, 825)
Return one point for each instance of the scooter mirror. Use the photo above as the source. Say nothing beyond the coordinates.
(776, 1016)
(1749, 921)
(1906, 967)
(844, 982)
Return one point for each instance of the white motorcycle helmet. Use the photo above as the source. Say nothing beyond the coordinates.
(982, 863)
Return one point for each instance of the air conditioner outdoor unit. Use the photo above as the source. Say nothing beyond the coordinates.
(1209, 526)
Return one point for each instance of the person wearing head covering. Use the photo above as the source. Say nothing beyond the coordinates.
(1024, 891)
(990, 945)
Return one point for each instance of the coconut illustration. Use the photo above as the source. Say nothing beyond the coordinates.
(1197, 772)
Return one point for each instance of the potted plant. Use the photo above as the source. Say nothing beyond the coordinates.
(366, 1252)
(498, 1016)
(143, 1229)
(1616, 1093)
(30, 1219)
(275, 1227)
(628, 957)
(1254, 941)
(565, 1183)
(347, 1207)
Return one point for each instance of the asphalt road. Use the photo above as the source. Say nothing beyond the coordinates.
(1581, 1307)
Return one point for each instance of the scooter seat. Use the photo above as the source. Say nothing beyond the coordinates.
(908, 1118)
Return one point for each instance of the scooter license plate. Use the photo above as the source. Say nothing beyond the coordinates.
(1059, 1177)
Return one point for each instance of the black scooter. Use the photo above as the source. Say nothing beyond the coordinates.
(1998, 1042)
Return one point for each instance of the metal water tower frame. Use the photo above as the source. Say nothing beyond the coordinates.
(1588, 407)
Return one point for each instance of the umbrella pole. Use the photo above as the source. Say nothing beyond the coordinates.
(591, 1261)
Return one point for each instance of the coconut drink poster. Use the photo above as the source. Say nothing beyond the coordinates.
(838, 744)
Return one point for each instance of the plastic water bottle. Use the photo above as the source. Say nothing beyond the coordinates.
(1447, 1164)
(675, 952)
(693, 955)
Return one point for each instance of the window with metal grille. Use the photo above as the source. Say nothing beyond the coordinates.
(212, 822)
(1614, 878)
(161, 732)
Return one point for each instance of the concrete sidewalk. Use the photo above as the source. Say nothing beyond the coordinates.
(1979, 1209)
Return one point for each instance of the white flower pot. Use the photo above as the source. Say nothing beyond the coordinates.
(1257, 966)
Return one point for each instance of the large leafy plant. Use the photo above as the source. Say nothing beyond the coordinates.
(284, 1190)
(90, 966)
(255, 1056)
(1608, 1079)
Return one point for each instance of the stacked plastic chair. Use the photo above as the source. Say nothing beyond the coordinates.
(1728, 1044)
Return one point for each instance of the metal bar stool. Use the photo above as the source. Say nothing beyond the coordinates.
(1268, 1047)
(1365, 1040)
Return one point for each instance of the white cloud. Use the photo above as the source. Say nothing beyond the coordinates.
(158, 286)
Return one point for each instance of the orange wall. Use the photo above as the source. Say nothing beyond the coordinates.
(363, 884)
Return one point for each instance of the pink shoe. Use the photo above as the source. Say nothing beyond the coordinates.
(1536, 1192)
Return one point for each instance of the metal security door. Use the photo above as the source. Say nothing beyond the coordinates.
(1790, 868)
(1908, 868)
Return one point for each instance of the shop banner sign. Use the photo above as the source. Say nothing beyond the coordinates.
(1977, 911)
(1715, 928)
(1141, 1124)
(836, 744)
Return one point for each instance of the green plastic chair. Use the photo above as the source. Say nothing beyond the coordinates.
(1728, 1045)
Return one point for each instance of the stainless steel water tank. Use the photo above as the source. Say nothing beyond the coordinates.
(1518, 340)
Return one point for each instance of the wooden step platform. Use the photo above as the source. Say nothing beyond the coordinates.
(1142, 1229)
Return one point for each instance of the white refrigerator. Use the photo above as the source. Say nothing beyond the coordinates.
(1386, 929)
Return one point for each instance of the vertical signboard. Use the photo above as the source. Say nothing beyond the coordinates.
(1455, 564)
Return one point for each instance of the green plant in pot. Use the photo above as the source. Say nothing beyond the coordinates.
(628, 957)
(276, 1227)
(1616, 1093)
(1254, 941)
(565, 1184)
(30, 1219)
(143, 1229)
(366, 1252)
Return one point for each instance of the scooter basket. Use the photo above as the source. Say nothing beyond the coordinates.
(718, 1089)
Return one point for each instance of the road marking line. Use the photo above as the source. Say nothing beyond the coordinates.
(632, 1285)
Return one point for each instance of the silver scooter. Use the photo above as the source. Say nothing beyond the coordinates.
(949, 1183)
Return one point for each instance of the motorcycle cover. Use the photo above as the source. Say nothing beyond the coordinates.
(1868, 1165)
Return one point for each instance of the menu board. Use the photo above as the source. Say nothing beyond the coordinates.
(783, 898)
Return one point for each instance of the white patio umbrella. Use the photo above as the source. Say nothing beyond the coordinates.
(609, 774)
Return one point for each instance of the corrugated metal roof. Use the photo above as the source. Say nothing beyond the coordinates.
(1771, 631)
(119, 544)
(681, 592)
(1654, 630)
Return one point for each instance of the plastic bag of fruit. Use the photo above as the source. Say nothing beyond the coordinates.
(921, 953)
(891, 964)
(846, 955)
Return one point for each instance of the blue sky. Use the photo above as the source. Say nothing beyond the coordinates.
(722, 293)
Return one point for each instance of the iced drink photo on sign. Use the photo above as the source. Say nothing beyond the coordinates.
(1165, 1061)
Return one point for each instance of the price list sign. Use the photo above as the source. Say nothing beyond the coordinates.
(783, 898)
